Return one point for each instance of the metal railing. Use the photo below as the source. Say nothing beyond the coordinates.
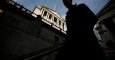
(21, 7)
(41, 53)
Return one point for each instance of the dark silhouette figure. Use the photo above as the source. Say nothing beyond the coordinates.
(81, 43)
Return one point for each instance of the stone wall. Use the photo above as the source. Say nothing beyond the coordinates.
(20, 36)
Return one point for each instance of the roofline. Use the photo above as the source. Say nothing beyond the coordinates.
(103, 8)
(14, 9)
(54, 14)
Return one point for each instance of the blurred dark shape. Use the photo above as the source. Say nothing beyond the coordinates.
(110, 44)
(81, 42)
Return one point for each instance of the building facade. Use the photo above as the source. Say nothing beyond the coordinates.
(25, 37)
(106, 25)
(51, 17)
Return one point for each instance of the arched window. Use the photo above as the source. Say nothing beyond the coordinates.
(50, 16)
(45, 13)
(63, 26)
(55, 19)
(59, 22)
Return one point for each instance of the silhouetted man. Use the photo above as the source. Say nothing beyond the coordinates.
(81, 42)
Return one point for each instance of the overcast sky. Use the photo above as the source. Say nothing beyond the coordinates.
(94, 5)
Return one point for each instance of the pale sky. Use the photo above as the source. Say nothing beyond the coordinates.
(94, 5)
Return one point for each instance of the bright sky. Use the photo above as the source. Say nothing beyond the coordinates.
(94, 5)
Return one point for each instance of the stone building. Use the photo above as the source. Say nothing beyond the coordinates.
(106, 25)
(24, 36)
(51, 17)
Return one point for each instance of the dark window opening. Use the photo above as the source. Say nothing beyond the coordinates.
(50, 16)
(45, 13)
(55, 19)
(59, 22)
(63, 26)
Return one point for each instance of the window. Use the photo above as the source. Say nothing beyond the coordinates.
(55, 19)
(63, 26)
(45, 13)
(50, 16)
(59, 22)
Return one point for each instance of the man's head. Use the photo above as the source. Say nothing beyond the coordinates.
(67, 3)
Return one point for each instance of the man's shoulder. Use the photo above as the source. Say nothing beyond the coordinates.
(73, 7)
(82, 6)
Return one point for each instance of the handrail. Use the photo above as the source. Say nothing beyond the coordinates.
(41, 53)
